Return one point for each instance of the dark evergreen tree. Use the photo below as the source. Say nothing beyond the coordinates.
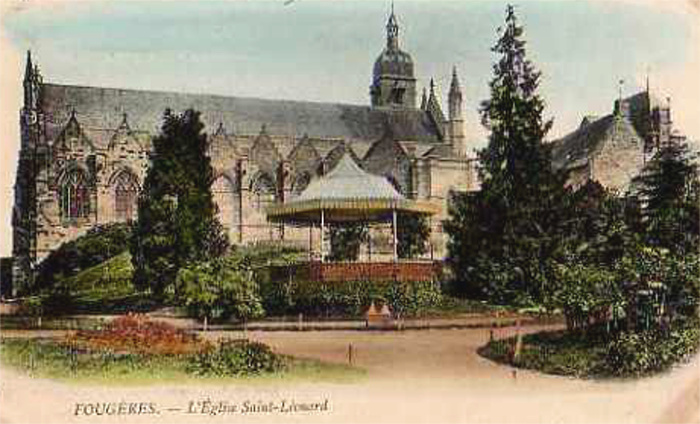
(502, 236)
(594, 229)
(412, 234)
(346, 240)
(668, 190)
(177, 215)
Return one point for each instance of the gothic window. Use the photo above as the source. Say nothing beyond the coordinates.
(263, 191)
(301, 182)
(75, 197)
(224, 193)
(125, 197)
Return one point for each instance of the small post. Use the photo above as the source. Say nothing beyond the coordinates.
(518, 343)
(350, 353)
(300, 323)
(206, 322)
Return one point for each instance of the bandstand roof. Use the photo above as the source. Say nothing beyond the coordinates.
(347, 193)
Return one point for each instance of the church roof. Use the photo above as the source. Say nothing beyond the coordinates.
(575, 149)
(104, 107)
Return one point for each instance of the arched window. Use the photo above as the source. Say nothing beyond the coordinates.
(263, 191)
(224, 193)
(125, 196)
(75, 198)
(301, 181)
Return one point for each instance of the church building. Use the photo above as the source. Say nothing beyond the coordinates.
(85, 152)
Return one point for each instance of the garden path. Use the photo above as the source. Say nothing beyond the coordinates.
(413, 376)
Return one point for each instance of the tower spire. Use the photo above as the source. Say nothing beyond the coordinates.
(29, 70)
(392, 31)
(455, 97)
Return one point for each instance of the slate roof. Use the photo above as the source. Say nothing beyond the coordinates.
(104, 107)
(574, 150)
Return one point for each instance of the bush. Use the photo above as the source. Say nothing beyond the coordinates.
(220, 288)
(235, 358)
(96, 246)
(599, 353)
(352, 298)
(653, 350)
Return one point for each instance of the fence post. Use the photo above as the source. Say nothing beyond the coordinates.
(350, 353)
(518, 343)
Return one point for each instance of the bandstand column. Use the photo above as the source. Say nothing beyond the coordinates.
(323, 227)
(396, 251)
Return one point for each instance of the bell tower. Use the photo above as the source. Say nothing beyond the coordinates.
(393, 81)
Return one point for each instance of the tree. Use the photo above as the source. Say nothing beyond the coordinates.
(220, 288)
(668, 187)
(412, 234)
(595, 227)
(346, 240)
(502, 236)
(176, 213)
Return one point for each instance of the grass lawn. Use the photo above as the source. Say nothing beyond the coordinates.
(553, 352)
(48, 359)
(599, 353)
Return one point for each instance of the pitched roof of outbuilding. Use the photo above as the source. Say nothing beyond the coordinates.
(575, 149)
(104, 107)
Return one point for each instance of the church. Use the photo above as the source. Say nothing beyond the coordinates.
(85, 152)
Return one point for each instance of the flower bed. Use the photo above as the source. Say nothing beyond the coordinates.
(136, 333)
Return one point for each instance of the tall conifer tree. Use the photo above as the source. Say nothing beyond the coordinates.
(502, 235)
(668, 187)
(177, 215)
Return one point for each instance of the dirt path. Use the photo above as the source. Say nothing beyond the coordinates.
(414, 376)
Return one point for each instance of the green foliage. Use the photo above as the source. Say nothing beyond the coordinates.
(502, 235)
(599, 353)
(235, 358)
(99, 244)
(671, 281)
(597, 227)
(413, 233)
(177, 222)
(554, 352)
(635, 354)
(220, 288)
(48, 358)
(585, 293)
(353, 298)
(346, 240)
(668, 188)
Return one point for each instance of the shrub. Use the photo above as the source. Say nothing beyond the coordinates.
(96, 246)
(220, 288)
(354, 297)
(653, 350)
(235, 358)
(583, 292)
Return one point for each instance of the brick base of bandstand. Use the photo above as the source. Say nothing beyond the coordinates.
(401, 271)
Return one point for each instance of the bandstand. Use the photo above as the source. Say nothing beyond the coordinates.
(348, 194)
